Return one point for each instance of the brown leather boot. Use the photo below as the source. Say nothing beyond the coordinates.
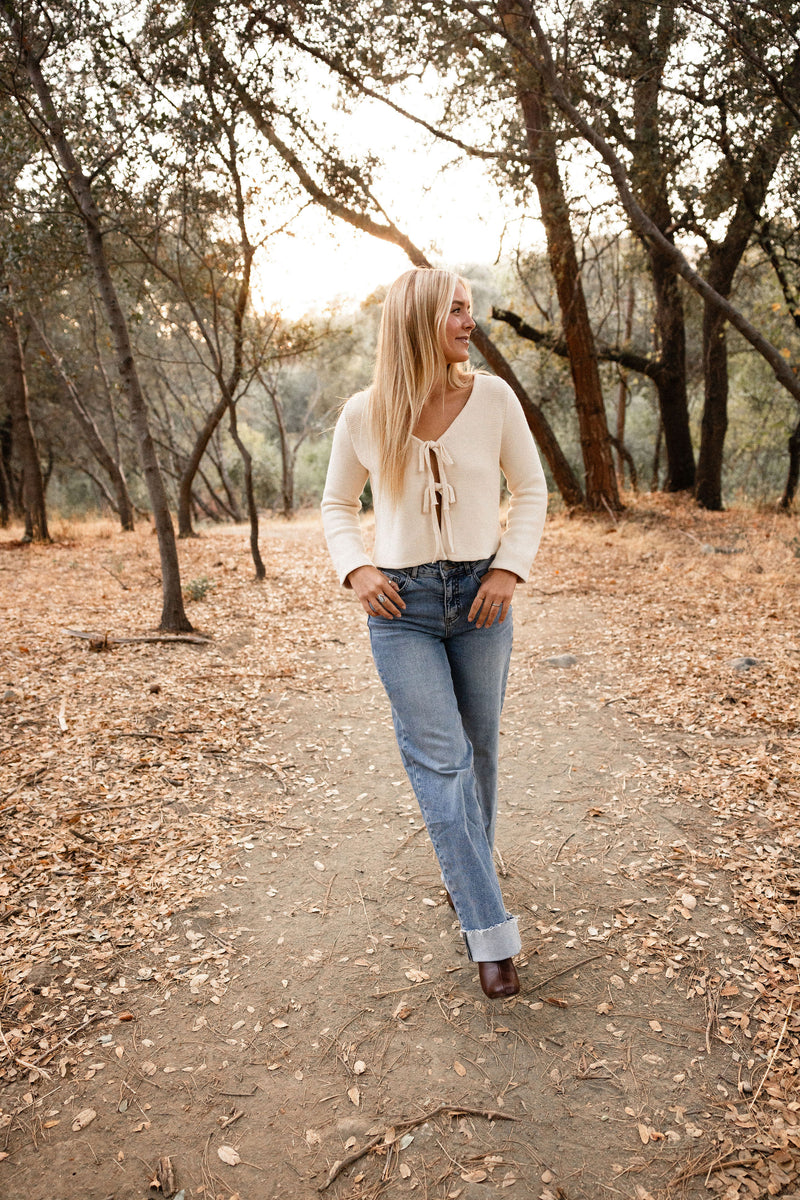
(499, 979)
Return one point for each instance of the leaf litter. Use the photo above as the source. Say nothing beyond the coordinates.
(117, 800)
(121, 792)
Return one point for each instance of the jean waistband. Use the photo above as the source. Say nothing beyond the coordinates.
(444, 566)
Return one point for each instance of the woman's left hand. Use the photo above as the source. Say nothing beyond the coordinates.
(494, 597)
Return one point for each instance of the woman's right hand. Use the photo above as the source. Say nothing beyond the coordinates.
(378, 595)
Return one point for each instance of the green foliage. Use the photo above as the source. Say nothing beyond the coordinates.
(312, 465)
(198, 589)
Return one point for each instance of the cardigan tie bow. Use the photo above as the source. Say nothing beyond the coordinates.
(438, 494)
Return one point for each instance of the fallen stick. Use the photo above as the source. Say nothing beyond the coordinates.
(772, 1056)
(721, 1164)
(103, 639)
(103, 1016)
(451, 1110)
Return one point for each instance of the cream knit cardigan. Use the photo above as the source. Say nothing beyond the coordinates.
(490, 434)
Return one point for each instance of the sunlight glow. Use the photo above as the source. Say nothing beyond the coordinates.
(443, 201)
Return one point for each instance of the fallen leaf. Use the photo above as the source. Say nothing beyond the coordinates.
(355, 1096)
(84, 1118)
(229, 1155)
(165, 1175)
(359, 1067)
(644, 1133)
(476, 1176)
(459, 1068)
(405, 1170)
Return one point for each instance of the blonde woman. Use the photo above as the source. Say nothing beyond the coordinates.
(433, 437)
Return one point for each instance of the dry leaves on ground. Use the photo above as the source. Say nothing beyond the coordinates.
(118, 780)
(118, 772)
(702, 617)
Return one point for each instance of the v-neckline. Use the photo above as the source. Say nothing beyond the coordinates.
(456, 418)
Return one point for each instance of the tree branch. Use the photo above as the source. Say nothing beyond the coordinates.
(557, 345)
(783, 372)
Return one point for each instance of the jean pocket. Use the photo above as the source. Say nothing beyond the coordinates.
(479, 569)
(400, 579)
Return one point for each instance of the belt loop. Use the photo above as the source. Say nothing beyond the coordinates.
(413, 572)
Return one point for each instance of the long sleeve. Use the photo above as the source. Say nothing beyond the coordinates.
(341, 504)
(519, 462)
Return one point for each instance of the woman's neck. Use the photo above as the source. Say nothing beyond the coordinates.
(440, 410)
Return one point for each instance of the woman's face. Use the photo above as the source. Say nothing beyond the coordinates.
(458, 327)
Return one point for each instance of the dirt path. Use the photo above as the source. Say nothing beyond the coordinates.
(320, 999)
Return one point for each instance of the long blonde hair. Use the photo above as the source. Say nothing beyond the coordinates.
(410, 363)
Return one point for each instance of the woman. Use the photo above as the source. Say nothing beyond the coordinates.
(432, 437)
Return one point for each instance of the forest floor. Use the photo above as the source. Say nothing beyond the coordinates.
(228, 970)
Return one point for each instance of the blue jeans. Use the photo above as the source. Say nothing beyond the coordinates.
(446, 680)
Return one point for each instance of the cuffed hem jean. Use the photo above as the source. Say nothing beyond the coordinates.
(446, 680)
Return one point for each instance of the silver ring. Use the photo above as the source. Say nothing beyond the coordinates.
(498, 605)
(381, 598)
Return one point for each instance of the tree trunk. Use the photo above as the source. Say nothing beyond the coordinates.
(601, 481)
(671, 378)
(222, 505)
(655, 470)
(563, 475)
(790, 491)
(252, 511)
(119, 498)
(287, 486)
(287, 455)
(191, 464)
(624, 456)
(708, 488)
(173, 614)
(6, 489)
(623, 391)
(650, 50)
(15, 386)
